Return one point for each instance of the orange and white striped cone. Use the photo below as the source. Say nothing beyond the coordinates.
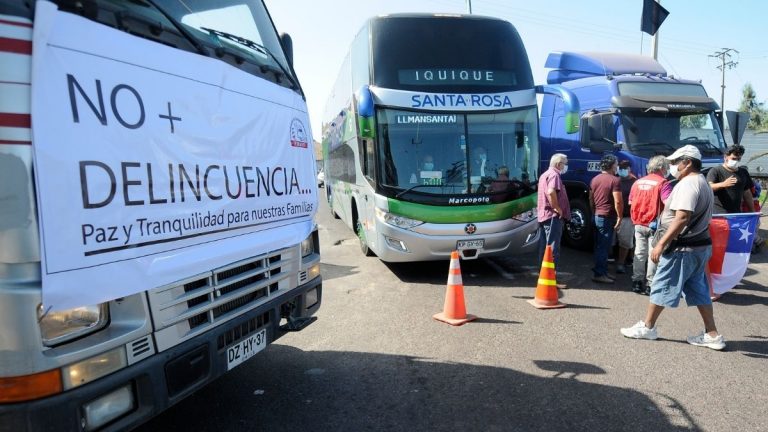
(546, 289)
(454, 312)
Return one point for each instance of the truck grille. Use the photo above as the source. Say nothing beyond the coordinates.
(193, 305)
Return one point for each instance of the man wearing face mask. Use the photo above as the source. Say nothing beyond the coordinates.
(552, 208)
(682, 252)
(731, 183)
(625, 235)
(608, 207)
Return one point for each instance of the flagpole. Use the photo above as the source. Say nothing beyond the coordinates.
(655, 41)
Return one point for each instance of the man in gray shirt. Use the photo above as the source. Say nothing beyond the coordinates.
(682, 252)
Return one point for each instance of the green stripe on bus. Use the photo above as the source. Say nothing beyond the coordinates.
(462, 214)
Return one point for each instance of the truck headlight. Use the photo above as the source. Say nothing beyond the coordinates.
(307, 246)
(61, 326)
(397, 220)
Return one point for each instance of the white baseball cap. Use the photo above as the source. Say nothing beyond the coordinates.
(685, 151)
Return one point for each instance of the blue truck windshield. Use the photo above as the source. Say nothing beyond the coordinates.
(651, 134)
(456, 153)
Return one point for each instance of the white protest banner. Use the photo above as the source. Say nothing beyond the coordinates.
(154, 164)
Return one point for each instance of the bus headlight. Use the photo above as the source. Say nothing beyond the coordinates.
(307, 246)
(61, 326)
(397, 220)
(526, 216)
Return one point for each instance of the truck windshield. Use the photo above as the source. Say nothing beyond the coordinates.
(227, 23)
(649, 134)
(458, 153)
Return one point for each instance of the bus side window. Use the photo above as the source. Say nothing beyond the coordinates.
(367, 159)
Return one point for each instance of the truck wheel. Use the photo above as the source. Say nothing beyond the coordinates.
(578, 232)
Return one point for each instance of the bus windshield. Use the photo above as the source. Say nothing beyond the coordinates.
(650, 134)
(458, 153)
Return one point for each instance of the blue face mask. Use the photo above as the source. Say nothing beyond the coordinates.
(429, 166)
(624, 172)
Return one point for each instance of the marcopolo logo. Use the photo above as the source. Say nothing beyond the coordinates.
(470, 228)
(469, 200)
(298, 134)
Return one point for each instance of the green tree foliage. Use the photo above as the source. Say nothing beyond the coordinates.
(758, 115)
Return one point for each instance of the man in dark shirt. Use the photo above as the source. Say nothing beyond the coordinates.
(607, 205)
(731, 183)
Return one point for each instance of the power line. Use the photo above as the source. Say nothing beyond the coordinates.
(725, 63)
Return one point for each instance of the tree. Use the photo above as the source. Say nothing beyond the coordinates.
(758, 115)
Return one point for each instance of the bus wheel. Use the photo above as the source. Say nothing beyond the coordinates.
(330, 204)
(361, 236)
(578, 232)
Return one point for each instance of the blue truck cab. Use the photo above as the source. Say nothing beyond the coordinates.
(629, 106)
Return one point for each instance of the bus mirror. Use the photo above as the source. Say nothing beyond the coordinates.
(571, 106)
(365, 114)
(287, 43)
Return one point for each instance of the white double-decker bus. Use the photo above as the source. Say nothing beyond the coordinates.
(430, 138)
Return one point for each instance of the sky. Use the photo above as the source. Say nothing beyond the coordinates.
(694, 31)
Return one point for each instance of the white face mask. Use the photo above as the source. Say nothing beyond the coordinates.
(482, 157)
(673, 170)
(733, 164)
(429, 166)
(564, 170)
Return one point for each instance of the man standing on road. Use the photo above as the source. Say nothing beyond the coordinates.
(608, 207)
(553, 209)
(646, 199)
(732, 184)
(682, 252)
(626, 232)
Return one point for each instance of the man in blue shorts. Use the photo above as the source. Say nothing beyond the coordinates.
(683, 251)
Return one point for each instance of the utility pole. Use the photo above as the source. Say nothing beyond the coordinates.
(469, 6)
(725, 63)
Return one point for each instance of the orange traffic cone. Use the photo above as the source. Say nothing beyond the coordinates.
(546, 288)
(454, 312)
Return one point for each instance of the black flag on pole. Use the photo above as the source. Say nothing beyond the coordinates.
(653, 15)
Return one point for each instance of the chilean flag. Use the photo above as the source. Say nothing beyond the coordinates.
(732, 237)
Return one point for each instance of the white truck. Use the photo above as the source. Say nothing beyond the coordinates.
(157, 202)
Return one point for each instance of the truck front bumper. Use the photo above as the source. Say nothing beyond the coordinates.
(163, 379)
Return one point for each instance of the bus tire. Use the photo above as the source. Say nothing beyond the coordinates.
(361, 237)
(578, 232)
(330, 204)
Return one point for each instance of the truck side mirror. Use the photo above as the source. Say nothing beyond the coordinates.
(597, 132)
(287, 43)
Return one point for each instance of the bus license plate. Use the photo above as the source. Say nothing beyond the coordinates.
(246, 348)
(470, 244)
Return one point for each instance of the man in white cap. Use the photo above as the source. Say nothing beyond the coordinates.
(682, 251)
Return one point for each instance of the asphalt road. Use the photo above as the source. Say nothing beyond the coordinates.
(376, 360)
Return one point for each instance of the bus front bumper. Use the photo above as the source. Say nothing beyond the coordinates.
(395, 244)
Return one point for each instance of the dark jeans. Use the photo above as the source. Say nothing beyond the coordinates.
(552, 229)
(603, 243)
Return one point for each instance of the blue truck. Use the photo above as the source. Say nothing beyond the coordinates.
(629, 106)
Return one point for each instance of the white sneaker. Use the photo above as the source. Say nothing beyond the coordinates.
(640, 331)
(705, 340)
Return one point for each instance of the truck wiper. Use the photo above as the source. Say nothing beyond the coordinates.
(414, 187)
(193, 40)
(256, 47)
(649, 144)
